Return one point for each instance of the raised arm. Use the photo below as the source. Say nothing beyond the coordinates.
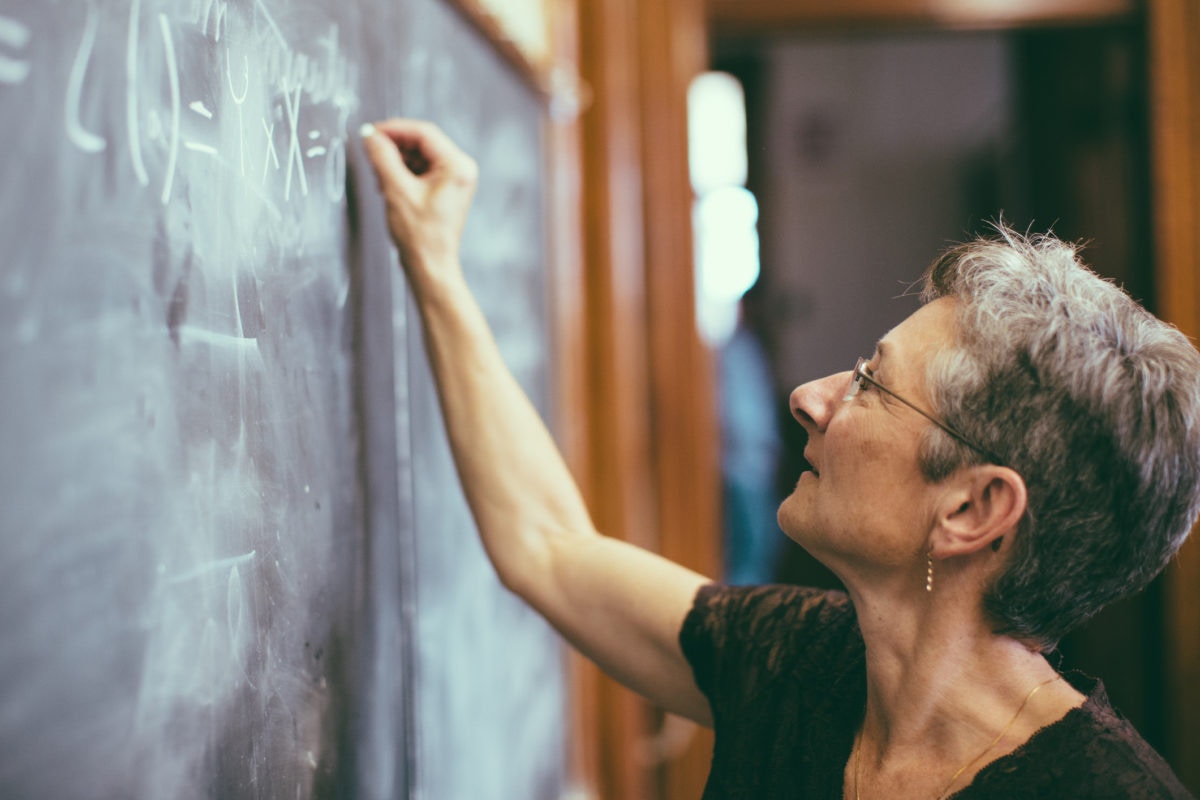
(621, 606)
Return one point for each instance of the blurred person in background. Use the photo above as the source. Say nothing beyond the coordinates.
(750, 448)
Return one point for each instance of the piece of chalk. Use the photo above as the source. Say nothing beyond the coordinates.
(367, 130)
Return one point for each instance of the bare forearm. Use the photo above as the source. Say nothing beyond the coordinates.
(519, 489)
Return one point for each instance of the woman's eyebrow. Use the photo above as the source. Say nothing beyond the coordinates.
(882, 349)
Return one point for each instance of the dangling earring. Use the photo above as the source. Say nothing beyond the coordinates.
(929, 571)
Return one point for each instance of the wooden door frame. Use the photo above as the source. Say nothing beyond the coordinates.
(646, 453)
(1174, 69)
(672, 52)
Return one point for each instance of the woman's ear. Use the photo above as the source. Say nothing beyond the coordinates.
(982, 505)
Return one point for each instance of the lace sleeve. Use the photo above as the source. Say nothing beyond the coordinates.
(741, 640)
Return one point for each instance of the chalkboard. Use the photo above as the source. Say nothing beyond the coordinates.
(478, 647)
(235, 560)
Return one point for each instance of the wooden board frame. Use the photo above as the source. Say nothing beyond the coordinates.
(536, 68)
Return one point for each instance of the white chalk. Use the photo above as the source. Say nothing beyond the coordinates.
(12, 71)
(13, 33)
(201, 148)
(200, 109)
(213, 566)
(367, 130)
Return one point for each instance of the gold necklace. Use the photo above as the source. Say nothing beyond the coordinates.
(942, 794)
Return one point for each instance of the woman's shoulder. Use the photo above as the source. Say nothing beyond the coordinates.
(1091, 752)
(751, 636)
(755, 614)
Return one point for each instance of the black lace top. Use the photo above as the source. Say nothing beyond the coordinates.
(783, 669)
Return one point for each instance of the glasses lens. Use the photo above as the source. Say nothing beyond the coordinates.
(856, 380)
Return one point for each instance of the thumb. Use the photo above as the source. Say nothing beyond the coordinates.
(385, 157)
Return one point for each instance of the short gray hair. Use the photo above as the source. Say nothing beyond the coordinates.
(1094, 401)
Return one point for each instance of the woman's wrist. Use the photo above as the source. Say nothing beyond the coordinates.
(437, 281)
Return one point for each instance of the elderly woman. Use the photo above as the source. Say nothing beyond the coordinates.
(1022, 450)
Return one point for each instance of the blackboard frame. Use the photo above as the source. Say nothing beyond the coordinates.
(536, 69)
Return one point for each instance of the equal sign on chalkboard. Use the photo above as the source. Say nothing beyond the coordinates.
(235, 560)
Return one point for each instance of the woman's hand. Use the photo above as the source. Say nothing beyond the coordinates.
(427, 184)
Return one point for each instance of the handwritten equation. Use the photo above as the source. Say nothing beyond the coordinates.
(13, 38)
(217, 81)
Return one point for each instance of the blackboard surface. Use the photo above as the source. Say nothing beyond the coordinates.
(234, 558)
(478, 647)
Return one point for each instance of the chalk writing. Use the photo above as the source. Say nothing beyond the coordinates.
(292, 105)
(197, 147)
(238, 102)
(261, 8)
(210, 567)
(214, 11)
(131, 95)
(15, 35)
(235, 615)
(302, 98)
(335, 171)
(84, 140)
(173, 76)
(188, 332)
(271, 155)
(199, 107)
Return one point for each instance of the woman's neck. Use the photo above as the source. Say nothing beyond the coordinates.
(941, 687)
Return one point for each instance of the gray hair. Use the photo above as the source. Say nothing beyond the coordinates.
(1094, 401)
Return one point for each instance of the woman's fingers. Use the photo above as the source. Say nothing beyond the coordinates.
(387, 160)
(425, 148)
(427, 183)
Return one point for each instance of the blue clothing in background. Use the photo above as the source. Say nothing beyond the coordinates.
(750, 448)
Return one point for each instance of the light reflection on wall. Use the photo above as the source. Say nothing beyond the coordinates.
(725, 214)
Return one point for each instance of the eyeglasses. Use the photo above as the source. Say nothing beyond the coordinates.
(861, 376)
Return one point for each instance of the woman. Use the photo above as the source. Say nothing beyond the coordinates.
(1020, 451)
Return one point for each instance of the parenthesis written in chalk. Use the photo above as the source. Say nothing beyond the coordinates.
(83, 139)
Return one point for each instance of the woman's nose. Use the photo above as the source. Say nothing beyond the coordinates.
(814, 403)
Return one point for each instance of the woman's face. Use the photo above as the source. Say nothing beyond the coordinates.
(865, 508)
